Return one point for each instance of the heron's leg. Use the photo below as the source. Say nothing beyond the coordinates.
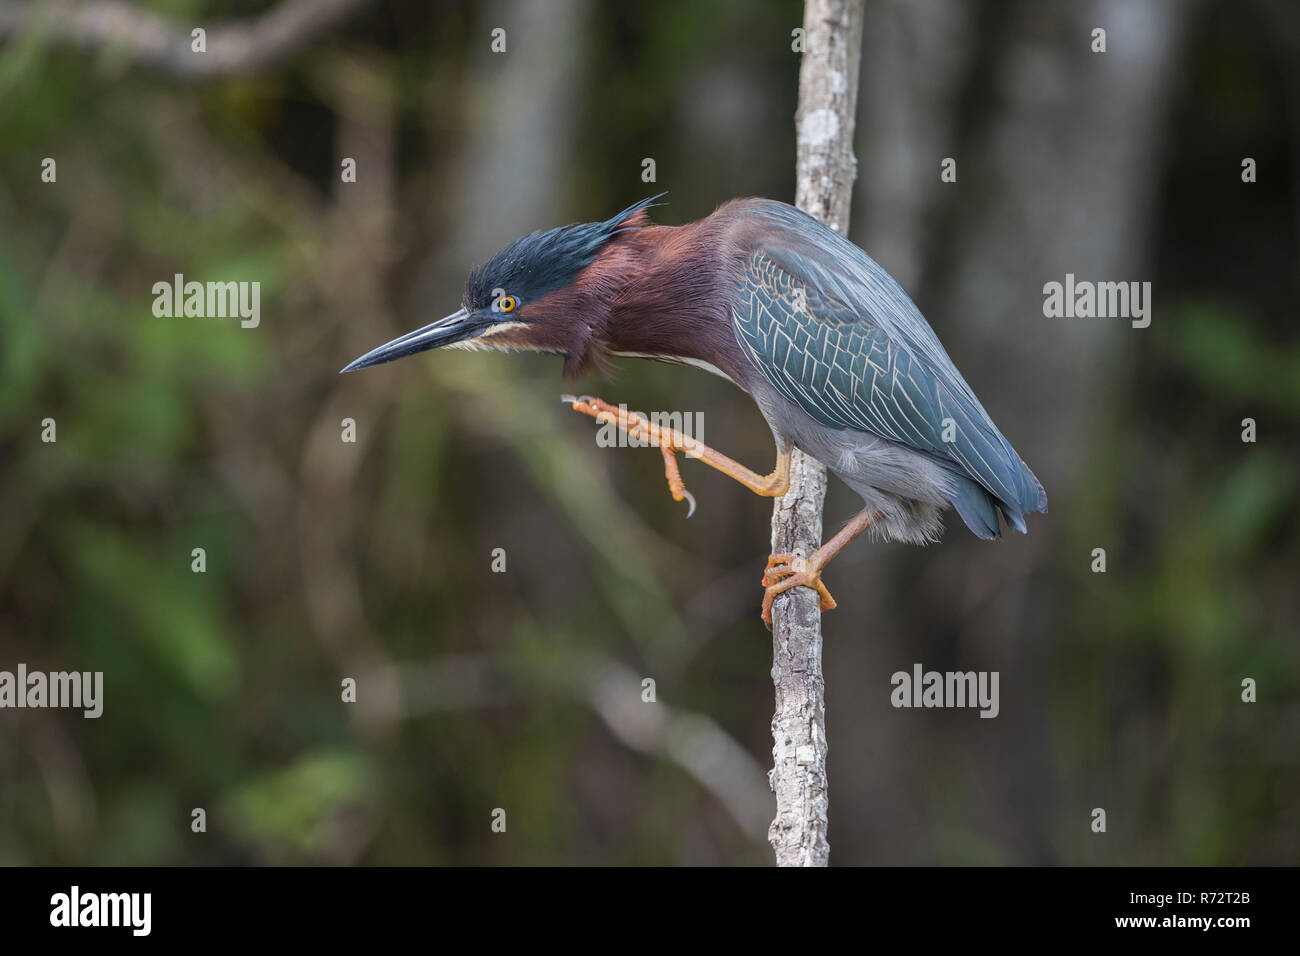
(670, 440)
(786, 571)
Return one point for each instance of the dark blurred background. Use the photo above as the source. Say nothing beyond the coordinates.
(522, 690)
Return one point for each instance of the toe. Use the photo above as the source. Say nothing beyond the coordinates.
(772, 575)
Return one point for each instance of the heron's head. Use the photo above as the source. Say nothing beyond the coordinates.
(526, 297)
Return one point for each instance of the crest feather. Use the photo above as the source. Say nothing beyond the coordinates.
(544, 261)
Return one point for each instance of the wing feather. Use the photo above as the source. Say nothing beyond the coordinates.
(848, 347)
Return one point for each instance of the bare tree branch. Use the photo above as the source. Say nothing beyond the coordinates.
(152, 41)
(828, 93)
(691, 741)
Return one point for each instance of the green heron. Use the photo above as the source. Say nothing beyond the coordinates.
(839, 360)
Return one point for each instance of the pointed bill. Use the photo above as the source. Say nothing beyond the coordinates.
(454, 328)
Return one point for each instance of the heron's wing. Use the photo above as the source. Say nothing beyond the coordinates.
(844, 348)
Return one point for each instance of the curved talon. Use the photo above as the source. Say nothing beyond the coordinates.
(690, 500)
(569, 399)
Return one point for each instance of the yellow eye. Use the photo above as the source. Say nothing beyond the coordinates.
(507, 303)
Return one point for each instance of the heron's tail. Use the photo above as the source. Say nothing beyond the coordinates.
(979, 508)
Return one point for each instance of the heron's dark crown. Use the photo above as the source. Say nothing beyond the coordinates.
(541, 262)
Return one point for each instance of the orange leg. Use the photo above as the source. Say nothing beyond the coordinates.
(671, 441)
(786, 571)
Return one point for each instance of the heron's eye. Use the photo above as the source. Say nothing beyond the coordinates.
(507, 303)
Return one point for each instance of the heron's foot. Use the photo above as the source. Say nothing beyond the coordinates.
(671, 441)
(635, 424)
(668, 440)
(786, 571)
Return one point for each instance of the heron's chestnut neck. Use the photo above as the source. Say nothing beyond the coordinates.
(657, 291)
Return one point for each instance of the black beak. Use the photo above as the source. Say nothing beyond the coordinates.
(454, 328)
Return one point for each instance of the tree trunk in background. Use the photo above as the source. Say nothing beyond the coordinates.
(1067, 170)
(825, 169)
(916, 58)
(520, 141)
(1055, 177)
(916, 65)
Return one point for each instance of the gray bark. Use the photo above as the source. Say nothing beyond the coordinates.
(825, 169)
